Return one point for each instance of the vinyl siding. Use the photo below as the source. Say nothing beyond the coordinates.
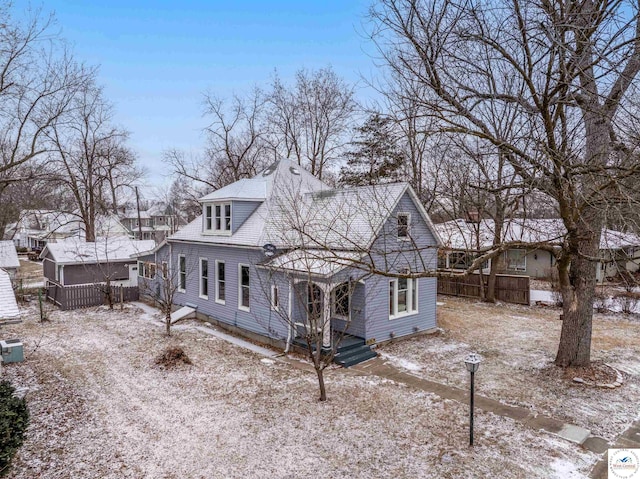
(378, 324)
(261, 319)
(240, 211)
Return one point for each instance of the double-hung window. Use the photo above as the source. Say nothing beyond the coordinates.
(516, 259)
(220, 282)
(403, 297)
(204, 278)
(222, 217)
(182, 273)
(243, 287)
(208, 217)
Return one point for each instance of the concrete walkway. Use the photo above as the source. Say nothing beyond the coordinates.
(379, 367)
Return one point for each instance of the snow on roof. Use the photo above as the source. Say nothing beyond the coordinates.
(74, 251)
(260, 187)
(8, 255)
(337, 218)
(314, 261)
(8, 306)
(465, 235)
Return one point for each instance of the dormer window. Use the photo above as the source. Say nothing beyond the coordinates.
(217, 218)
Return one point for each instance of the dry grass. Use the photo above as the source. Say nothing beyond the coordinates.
(518, 345)
(101, 409)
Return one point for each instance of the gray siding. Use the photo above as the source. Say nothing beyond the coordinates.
(418, 253)
(240, 211)
(378, 324)
(86, 273)
(261, 319)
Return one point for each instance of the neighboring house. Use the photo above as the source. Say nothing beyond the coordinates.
(73, 262)
(36, 228)
(9, 258)
(283, 243)
(464, 239)
(156, 222)
(8, 306)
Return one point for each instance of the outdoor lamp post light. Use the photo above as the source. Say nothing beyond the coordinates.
(472, 361)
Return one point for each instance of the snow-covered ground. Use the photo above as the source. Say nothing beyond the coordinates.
(101, 408)
(518, 345)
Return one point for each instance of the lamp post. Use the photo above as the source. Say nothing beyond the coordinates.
(472, 361)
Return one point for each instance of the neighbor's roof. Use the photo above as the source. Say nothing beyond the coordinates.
(8, 255)
(8, 306)
(102, 251)
(464, 235)
(314, 261)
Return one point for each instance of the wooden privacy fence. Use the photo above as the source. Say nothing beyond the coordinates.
(509, 288)
(85, 295)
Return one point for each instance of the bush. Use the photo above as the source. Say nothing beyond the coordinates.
(14, 418)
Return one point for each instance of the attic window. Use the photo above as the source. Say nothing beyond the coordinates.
(404, 220)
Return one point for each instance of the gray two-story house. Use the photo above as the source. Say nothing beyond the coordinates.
(269, 250)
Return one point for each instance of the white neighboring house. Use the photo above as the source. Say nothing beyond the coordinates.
(74, 262)
(464, 239)
(36, 228)
(9, 258)
(8, 305)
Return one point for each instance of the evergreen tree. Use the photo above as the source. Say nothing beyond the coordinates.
(375, 157)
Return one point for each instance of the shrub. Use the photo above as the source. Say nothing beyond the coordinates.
(14, 418)
(600, 299)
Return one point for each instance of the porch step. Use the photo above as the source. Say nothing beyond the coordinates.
(354, 355)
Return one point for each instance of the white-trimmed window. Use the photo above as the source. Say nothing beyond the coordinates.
(165, 270)
(403, 297)
(182, 273)
(404, 225)
(516, 259)
(222, 217)
(146, 269)
(204, 278)
(340, 301)
(244, 290)
(208, 217)
(314, 302)
(220, 282)
(275, 299)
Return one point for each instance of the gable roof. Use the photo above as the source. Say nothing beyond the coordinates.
(8, 255)
(297, 209)
(74, 251)
(463, 235)
(8, 305)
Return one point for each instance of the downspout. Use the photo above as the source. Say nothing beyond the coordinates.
(291, 324)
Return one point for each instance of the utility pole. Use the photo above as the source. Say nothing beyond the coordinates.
(138, 208)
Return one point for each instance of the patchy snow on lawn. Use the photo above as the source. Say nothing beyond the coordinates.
(101, 408)
(518, 345)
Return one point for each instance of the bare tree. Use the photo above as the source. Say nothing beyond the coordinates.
(564, 72)
(160, 277)
(310, 122)
(38, 80)
(92, 157)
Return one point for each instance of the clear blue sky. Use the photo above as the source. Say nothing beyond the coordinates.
(156, 58)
